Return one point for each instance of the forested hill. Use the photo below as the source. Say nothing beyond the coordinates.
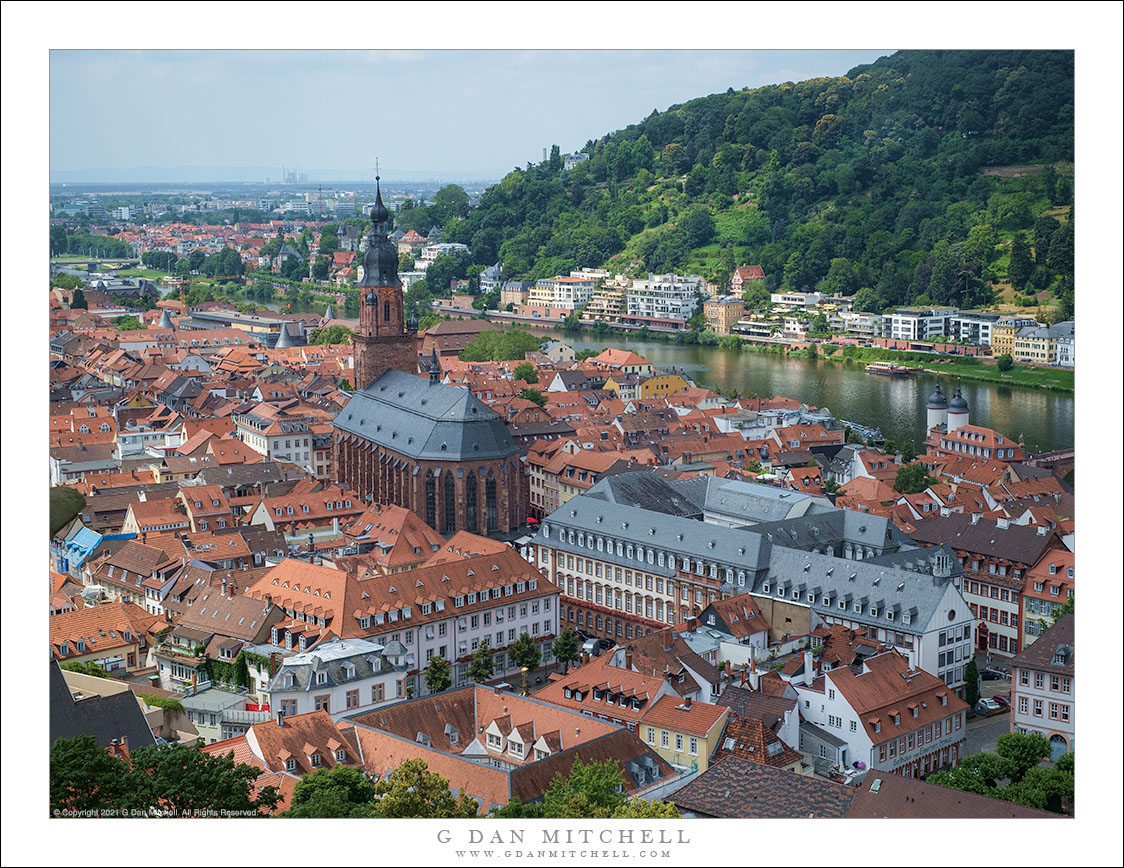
(869, 181)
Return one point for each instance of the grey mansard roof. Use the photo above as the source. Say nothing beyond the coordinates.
(846, 583)
(333, 658)
(769, 561)
(669, 534)
(754, 502)
(426, 420)
(835, 528)
(646, 490)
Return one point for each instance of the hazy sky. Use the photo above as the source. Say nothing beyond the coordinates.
(474, 113)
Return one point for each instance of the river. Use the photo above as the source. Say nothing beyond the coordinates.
(894, 405)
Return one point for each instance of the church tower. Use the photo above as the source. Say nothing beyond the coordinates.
(384, 340)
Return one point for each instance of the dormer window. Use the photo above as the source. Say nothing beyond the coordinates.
(321, 677)
(290, 765)
(314, 759)
(341, 755)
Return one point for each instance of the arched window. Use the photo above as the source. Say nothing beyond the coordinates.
(431, 501)
(490, 503)
(386, 311)
(450, 495)
(470, 511)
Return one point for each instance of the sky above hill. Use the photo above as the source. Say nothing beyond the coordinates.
(174, 115)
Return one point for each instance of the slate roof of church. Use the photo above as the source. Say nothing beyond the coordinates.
(426, 420)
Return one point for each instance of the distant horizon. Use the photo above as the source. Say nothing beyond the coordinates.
(255, 175)
(466, 114)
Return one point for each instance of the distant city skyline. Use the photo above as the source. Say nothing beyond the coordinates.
(242, 115)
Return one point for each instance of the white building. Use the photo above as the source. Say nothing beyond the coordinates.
(1043, 687)
(432, 251)
(1067, 355)
(341, 676)
(666, 296)
(883, 712)
(567, 293)
(574, 160)
(975, 328)
(796, 299)
(919, 323)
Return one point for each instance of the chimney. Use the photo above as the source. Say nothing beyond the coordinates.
(585, 658)
(280, 718)
(808, 667)
(628, 658)
(687, 703)
(754, 675)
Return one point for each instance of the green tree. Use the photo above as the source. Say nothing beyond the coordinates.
(1060, 256)
(526, 655)
(971, 683)
(642, 809)
(86, 777)
(63, 280)
(533, 395)
(757, 297)
(1004, 362)
(58, 240)
(438, 675)
(912, 479)
(65, 503)
(517, 809)
(483, 664)
(412, 791)
(337, 334)
(448, 202)
(189, 781)
(698, 224)
(293, 268)
(1023, 751)
(494, 345)
(128, 323)
(86, 667)
(977, 773)
(565, 648)
(341, 791)
(526, 372)
(1021, 266)
(321, 268)
(405, 261)
(78, 300)
(593, 789)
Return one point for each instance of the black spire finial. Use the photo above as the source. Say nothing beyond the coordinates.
(434, 367)
(379, 214)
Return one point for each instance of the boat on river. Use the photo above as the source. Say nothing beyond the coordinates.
(891, 369)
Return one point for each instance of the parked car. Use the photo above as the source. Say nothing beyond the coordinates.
(994, 675)
(988, 707)
(1005, 701)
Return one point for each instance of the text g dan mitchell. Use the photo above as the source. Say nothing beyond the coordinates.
(564, 836)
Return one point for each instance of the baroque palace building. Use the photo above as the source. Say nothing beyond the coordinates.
(434, 449)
